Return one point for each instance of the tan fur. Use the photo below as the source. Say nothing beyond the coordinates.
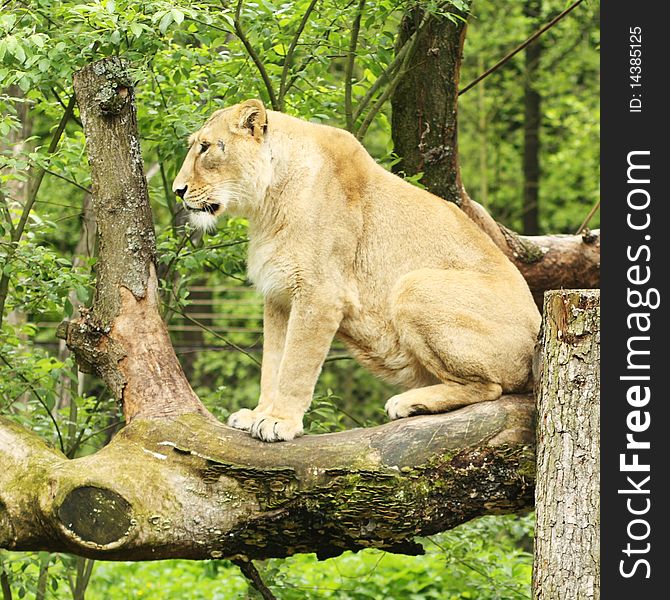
(339, 246)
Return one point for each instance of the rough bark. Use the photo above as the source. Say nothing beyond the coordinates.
(567, 539)
(123, 338)
(185, 487)
(424, 116)
(424, 128)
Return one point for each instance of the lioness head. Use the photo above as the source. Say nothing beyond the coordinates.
(223, 170)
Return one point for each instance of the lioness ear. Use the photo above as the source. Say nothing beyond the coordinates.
(252, 118)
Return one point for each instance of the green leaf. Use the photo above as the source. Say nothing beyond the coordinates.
(82, 293)
(177, 15)
(68, 308)
(115, 38)
(25, 84)
(165, 22)
(136, 29)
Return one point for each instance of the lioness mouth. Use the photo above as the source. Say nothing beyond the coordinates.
(208, 208)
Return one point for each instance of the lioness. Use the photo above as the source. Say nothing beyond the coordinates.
(340, 246)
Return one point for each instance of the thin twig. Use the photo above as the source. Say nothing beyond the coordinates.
(389, 72)
(39, 399)
(8, 214)
(71, 181)
(4, 584)
(18, 232)
(251, 573)
(478, 571)
(71, 451)
(89, 436)
(28, 206)
(214, 333)
(519, 48)
(288, 57)
(588, 217)
(308, 59)
(239, 32)
(349, 67)
(376, 107)
(60, 101)
(215, 246)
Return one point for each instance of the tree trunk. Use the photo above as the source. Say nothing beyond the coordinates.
(531, 125)
(424, 128)
(424, 116)
(123, 338)
(567, 537)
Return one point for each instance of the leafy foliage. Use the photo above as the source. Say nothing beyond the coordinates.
(458, 565)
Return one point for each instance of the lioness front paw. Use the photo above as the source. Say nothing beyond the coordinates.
(274, 429)
(401, 406)
(243, 419)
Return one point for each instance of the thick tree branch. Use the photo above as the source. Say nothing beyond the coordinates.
(123, 338)
(190, 488)
(546, 261)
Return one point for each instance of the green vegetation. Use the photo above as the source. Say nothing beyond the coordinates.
(485, 560)
(189, 58)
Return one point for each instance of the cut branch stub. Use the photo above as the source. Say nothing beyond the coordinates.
(123, 338)
(95, 515)
(568, 453)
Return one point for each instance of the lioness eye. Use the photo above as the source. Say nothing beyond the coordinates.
(203, 147)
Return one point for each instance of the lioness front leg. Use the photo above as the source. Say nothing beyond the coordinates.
(275, 322)
(311, 328)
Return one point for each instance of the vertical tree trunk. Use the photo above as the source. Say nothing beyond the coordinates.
(124, 337)
(567, 539)
(531, 129)
(424, 116)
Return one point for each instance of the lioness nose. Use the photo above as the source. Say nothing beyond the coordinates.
(181, 191)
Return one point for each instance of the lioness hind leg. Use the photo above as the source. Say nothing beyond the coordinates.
(439, 398)
(474, 333)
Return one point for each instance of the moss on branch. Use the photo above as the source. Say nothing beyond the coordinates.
(187, 487)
